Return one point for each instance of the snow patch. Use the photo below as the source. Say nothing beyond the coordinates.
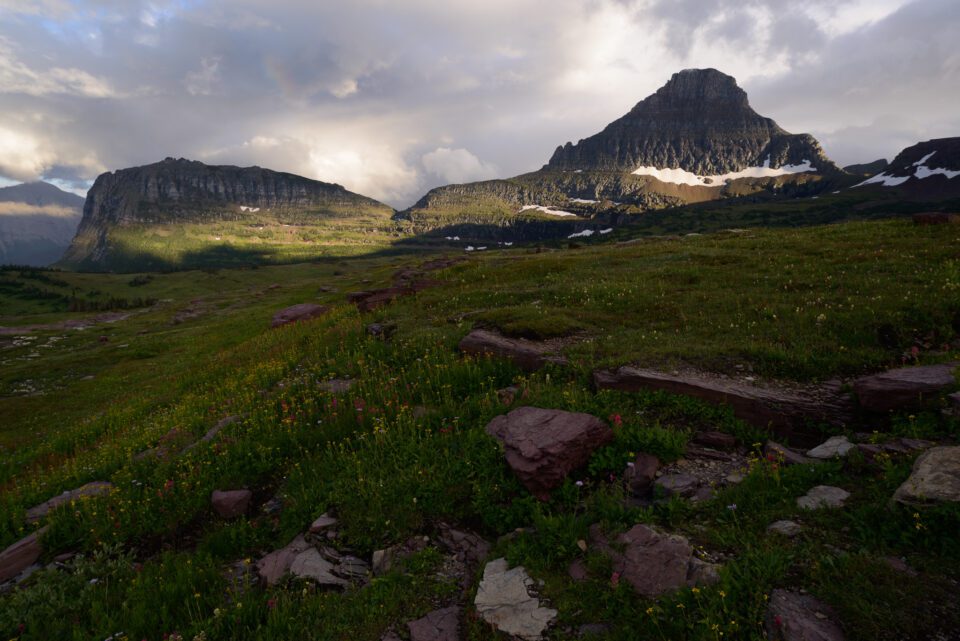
(582, 234)
(469, 248)
(546, 210)
(582, 201)
(252, 210)
(921, 172)
(684, 177)
(607, 230)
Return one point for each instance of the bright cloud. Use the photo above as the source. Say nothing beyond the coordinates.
(457, 165)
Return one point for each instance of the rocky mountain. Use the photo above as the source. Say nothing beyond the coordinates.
(700, 122)
(205, 206)
(927, 169)
(696, 139)
(37, 222)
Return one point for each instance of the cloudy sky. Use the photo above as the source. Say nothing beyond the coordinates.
(390, 98)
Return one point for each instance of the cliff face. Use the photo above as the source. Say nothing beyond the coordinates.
(182, 191)
(700, 121)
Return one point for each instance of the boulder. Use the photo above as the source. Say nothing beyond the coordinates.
(229, 504)
(654, 563)
(786, 413)
(297, 313)
(543, 446)
(903, 388)
(792, 616)
(93, 489)
(527, 355)
(823, 496)
(273, 566)
(310, 564)
(935, 478)
(788, 529)
(833, 447)
(21, 555)
(504, 601)
(682, 485)
(641, 473)
(439, 625)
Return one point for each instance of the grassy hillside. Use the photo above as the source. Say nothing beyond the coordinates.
(404, 448)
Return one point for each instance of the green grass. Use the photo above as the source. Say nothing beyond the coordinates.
(405, 448)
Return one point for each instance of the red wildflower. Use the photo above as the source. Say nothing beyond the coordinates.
(616, 420)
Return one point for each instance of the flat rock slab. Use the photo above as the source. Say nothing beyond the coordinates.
(833, 447)
(229, 504)
(297, 313)
(788, 529)
(682, 485)
(527, 355)
(784, 412)
(95, 488)
(777, 453)
(543, 446)
(903, 388)
(823, 496)
(439, 625)
(272, 567)
(310, 564)
(652, 562)
(504, 601)
(20, 556)
(792, 616)
(935, 478)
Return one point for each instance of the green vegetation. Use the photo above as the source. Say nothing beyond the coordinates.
(405, 448)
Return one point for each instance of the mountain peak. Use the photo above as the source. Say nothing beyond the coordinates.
(700, 121)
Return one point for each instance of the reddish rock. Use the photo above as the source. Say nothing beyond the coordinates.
(903, 388)
(297, 313)
(528, 355)
(273, 566)
(229, 504)
(654, 563)
(777, 453)
(21, 555)
(439, 625)
(786, 413)
(716, 440)
(543, 446)
(792, 616)
(640, 475)
(90, 490)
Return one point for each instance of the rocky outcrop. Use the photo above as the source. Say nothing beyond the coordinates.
(439, 625)
(929, 170)
(904, 388)
(90, 490)
(700, 121)
(21, 555)
(543, 446)
(868, 168)
(935, 478)
(298, 313)
(786, 413)
(792, 616)
(504, 600)
(527, 355)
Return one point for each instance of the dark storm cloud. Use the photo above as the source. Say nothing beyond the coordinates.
(390, 99)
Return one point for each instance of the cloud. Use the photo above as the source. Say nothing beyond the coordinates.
(457, 165)
(391, 99)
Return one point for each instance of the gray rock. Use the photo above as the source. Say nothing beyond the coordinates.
(823, 496)
(788, 529)
(298, 313)
(683, 485)
(527, 355)
(833, 447)
(935, 478)
(777, 453)
(903, 388)
(792, 616)
(439, 625)
(273, 566)
(321, 523)
(20, 556)
(310, 564)
(504, 601)
(90, 490)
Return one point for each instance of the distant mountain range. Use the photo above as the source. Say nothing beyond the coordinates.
(696, 140)
(37, 222)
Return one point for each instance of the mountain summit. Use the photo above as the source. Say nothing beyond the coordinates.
(701, 122)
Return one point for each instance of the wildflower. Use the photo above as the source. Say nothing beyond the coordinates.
(695, 590)
(579, 483)
(616, 420)
(271, 603)
(681, 606)
(722, 594)
(650, 611)
(732, 507)
(216, 612)
(778, 621)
